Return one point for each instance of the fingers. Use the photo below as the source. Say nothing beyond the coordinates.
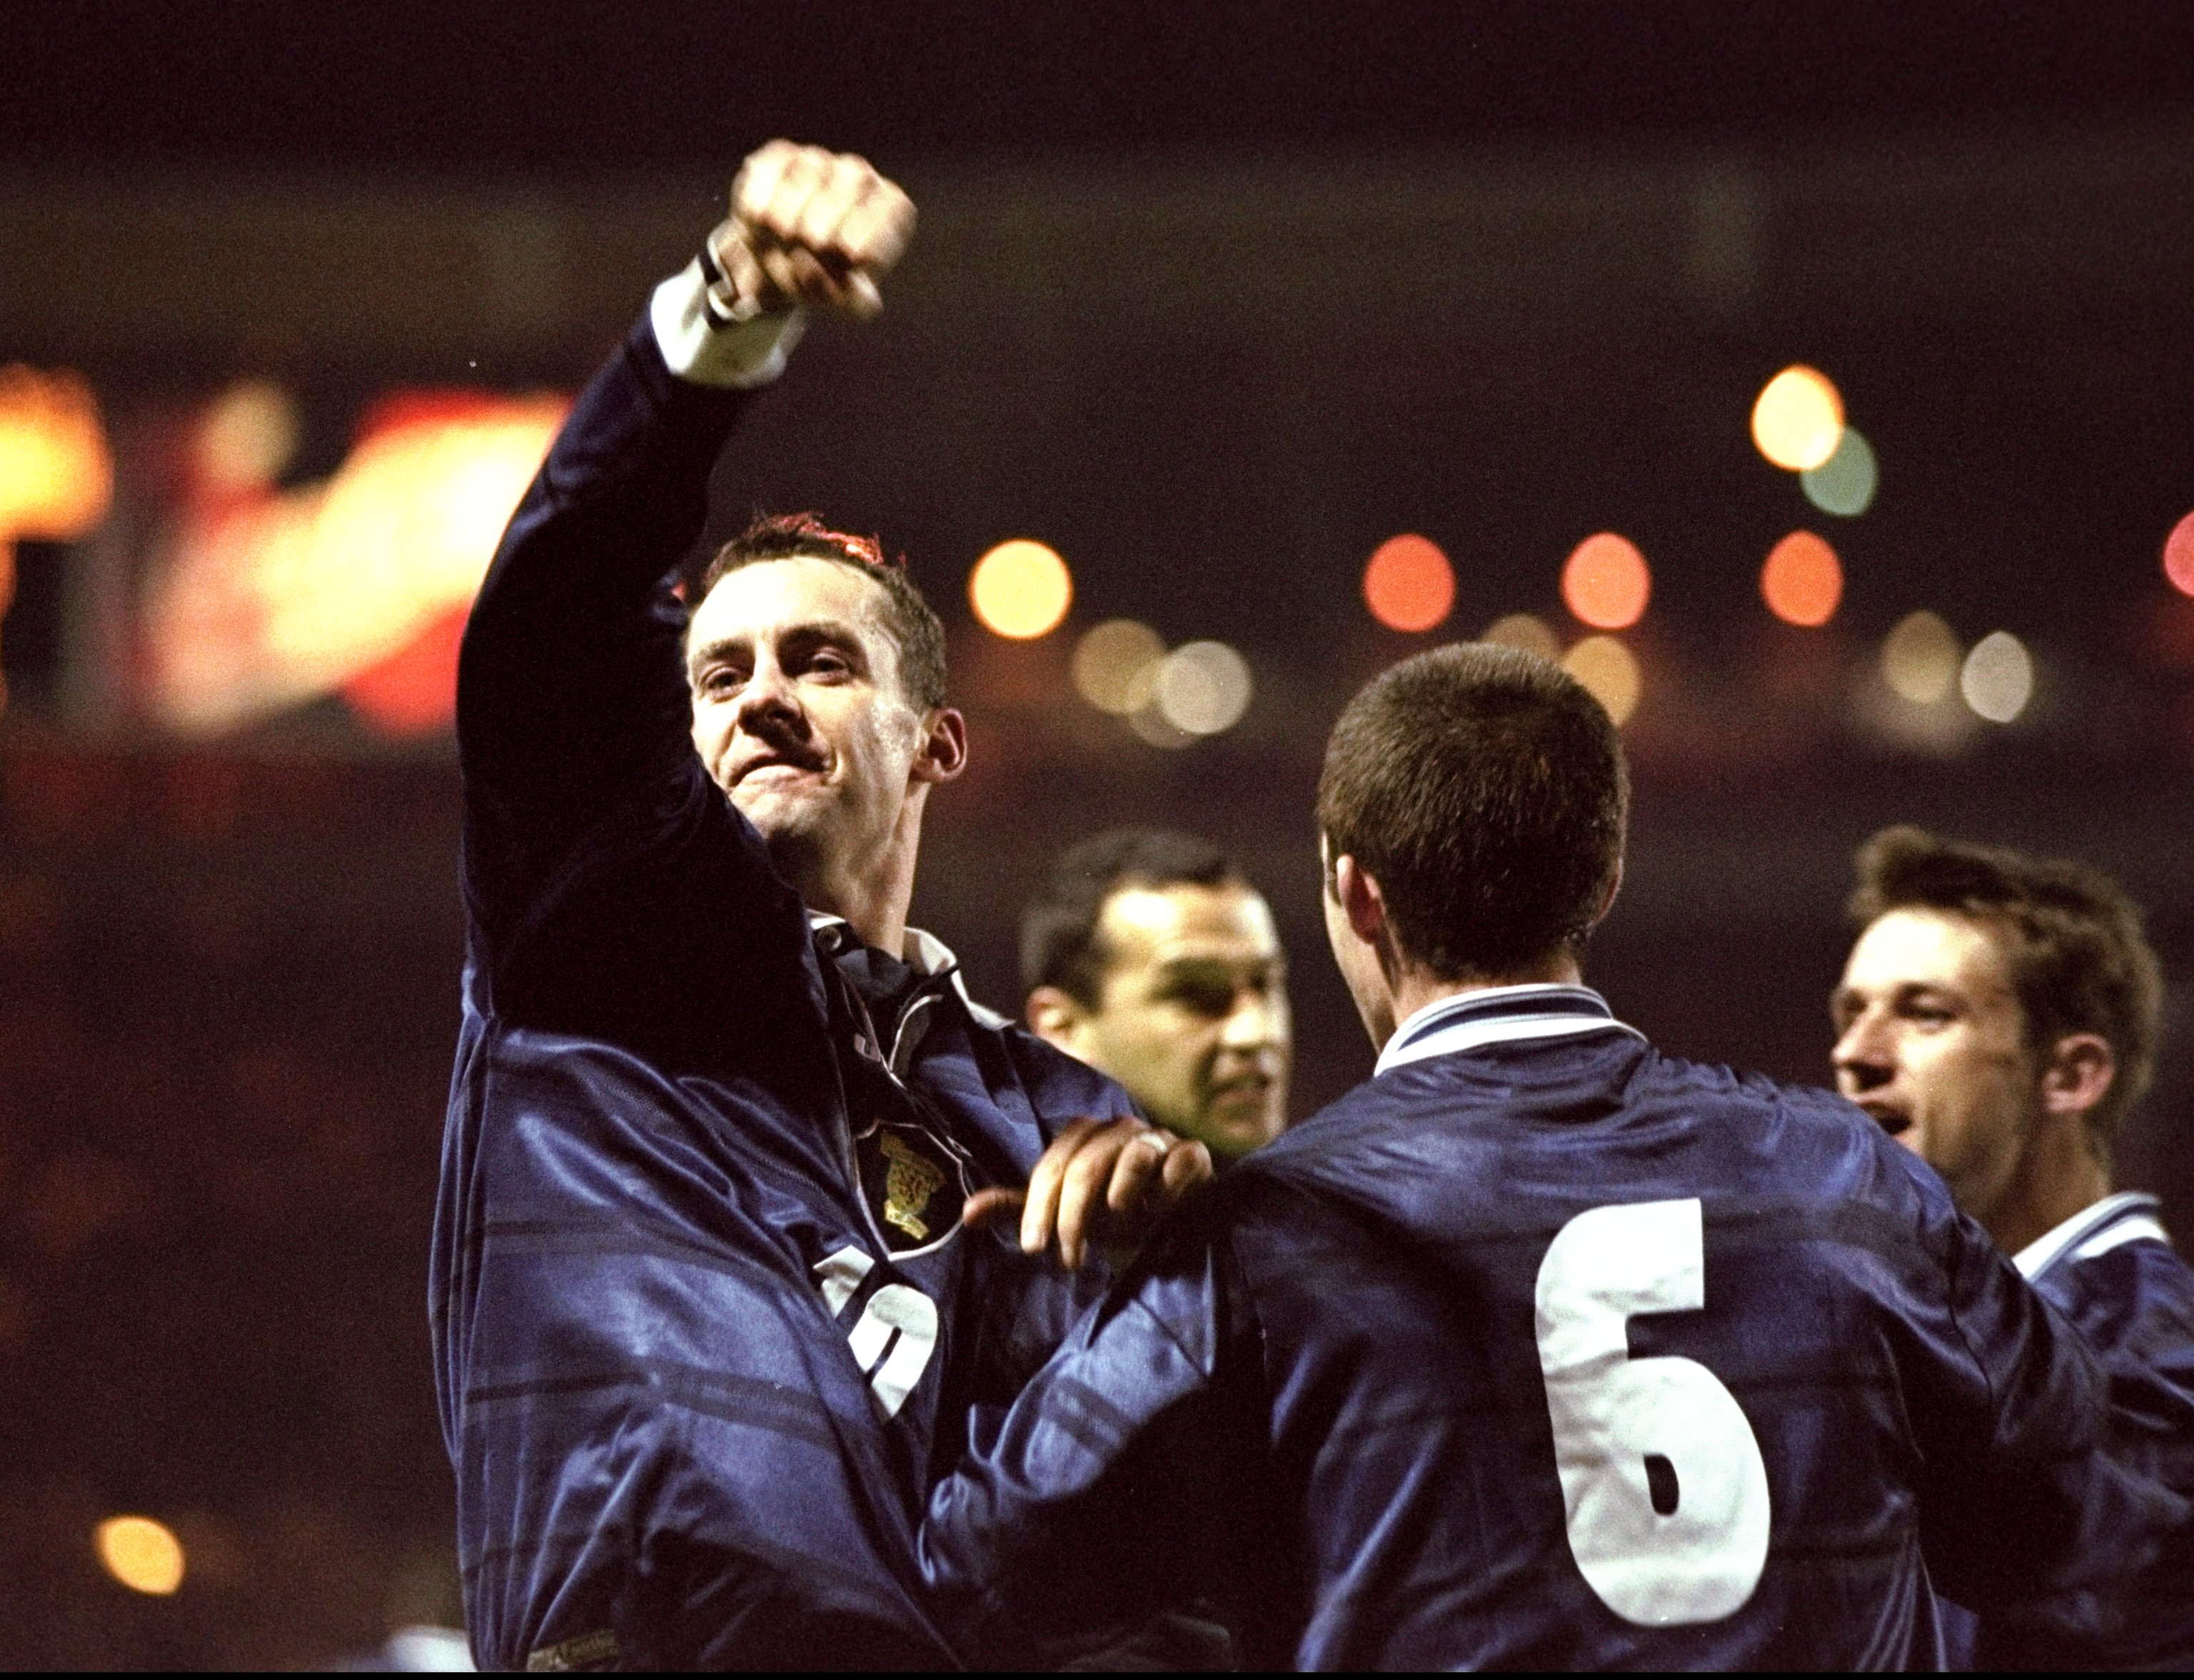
(1185, 1169)
(1039, 1213)
(823, 226)
(1142, 1160)
(986, 1209)
(1098, 1181)
(1084, 1191)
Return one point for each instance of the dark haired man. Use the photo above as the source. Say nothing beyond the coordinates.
(1148, 956)
(1998, 1017)
(1540, 1349)
(707, 1320)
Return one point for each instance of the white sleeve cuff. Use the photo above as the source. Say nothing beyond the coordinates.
(736, 357)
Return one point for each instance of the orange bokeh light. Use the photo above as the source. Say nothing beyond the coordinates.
(1802, 581)
(56, 476)
(143, 1555)
(413, 690)
(1020, 589)
(1606, 581)
(265, 598)
(1409, 584)
(2179, 556)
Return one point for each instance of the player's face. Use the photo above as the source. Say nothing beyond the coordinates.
(798, 713)
(1932, 1043)
(1193, 1016)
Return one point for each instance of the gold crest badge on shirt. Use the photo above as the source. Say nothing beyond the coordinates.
(910, 1181)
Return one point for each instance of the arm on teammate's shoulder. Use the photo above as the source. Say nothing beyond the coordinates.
(1096, 1501)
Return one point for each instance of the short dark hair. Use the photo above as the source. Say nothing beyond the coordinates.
(2070, 937)
(1061, 943)
(914, 624)
(1484, 789)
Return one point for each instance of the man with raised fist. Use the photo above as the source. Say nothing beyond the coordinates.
(714, 1284)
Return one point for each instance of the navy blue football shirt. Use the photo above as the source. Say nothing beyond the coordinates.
(1542, 1350)
(706, 1327)
(2111, 1270)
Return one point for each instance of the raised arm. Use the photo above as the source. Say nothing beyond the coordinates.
(585, 803)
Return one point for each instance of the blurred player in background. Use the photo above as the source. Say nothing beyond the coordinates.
(708, 1315)
(1539, 1349)
(1998, 1017)
(1147, 955)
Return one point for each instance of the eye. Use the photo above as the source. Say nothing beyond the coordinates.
(1210, 1000)
(722, 680)
(830, 662)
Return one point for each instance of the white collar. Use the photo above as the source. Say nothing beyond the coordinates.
(1495, 1015)
(926, 954)
(2096, 1229)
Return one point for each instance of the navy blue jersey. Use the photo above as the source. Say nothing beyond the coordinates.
(2111, 1270)
(705, 1330)
(1544, 1351)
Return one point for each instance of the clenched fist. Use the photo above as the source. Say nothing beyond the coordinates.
(811, 226)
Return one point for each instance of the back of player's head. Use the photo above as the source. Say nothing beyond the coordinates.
(1061, 941)
(1486, 791)
(2071, 941)
(914, 626)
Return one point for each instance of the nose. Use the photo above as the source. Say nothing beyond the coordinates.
(1861, 1057)
(1257, 1021)
(768, 695)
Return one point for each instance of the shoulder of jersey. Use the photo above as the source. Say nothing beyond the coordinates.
(1658, 1081)
(1067, 1082)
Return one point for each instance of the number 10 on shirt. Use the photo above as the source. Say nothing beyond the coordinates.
(1664, 1492)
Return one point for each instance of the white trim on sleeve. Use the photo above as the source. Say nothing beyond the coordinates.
(738, 357)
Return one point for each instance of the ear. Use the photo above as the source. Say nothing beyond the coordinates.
(2077, 1073)
(1053, 1015)
(942, 754)
(1360, 899)
(1614, 887)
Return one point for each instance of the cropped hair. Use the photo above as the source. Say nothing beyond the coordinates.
(1486, 791)
(913, 624)
(2072, 941)
(1062, 943)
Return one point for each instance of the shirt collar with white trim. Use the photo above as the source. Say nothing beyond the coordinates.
(2128, 1217)
(1496, 1015)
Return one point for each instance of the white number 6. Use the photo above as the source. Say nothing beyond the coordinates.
(1664, 1490)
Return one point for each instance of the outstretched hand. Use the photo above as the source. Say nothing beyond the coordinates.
(814, 227)
(1107, 1183)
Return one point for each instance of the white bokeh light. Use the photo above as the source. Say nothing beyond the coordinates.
(1204, 687)
(1998, 677)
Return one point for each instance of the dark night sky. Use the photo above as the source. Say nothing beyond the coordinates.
(459, 86)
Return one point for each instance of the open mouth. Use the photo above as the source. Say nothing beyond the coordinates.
(1893, 1121)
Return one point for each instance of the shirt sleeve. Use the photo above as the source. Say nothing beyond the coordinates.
(1096, 1502)
(612, 889)
(2019, 1493)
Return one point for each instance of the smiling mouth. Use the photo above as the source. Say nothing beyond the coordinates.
(762, 766)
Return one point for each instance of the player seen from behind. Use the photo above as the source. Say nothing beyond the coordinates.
(1540, 1349)
(707, 1321)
